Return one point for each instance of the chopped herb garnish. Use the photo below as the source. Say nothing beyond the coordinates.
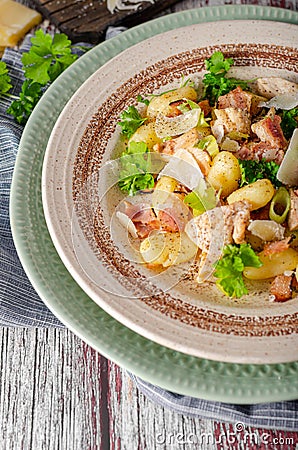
(22, 107)
(48, 57)
(130, 121)
(135, 166)
(289, 121)
(186, 82)
(144, 100)
(215, 81)
(252, 171)
(229, 268)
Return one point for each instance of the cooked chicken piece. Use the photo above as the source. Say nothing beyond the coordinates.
(237, 99)
(203, 159)
(281, 288)
(272, 86)
(186, 141)
(241, 216)
(269, 130)
(216, 228)
(293, 213)
(261, 214)
(260, 150)
(230, 120)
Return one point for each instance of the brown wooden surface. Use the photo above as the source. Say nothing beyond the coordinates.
(87, 20)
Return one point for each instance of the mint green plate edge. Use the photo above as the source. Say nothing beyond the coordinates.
(171, 370)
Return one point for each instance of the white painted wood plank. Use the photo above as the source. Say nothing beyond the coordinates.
(50, 394)
(58, 393)
(137, 423)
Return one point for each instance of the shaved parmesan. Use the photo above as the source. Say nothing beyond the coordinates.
(174, 126)
(127, 223)
(288, 170)
(283, 101)
(267, 230)
(271, 86)
(184, 168)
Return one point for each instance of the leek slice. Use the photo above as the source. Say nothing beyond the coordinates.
(209, 144)
(202, 198)
(280, 205)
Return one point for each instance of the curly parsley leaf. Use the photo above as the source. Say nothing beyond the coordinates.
(5, 80)
(29, 96)
(217, 64)
(144, 100)
(252, 171)
(48, 57)
(289, 121)
(230, 267)
(135, 169)
(215, 81)
(130, 121)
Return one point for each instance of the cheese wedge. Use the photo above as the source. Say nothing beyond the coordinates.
(15, 21)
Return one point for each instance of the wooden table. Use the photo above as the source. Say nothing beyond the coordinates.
(58, 393)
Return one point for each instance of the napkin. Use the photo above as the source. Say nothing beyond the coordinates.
(21, 306)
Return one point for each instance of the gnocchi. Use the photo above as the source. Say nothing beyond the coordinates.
(258, 194)
(146, 133)
(225, 173)
(164, 186)
(273, 265)
(167, 249)
(161, 103)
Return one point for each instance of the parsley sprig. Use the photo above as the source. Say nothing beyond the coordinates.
(130, 121)
(135, 167)
(24, 105)
(215, 81)
(289, 121)
(47, 58)
(252, 171)
(229, 268)
(5, 80)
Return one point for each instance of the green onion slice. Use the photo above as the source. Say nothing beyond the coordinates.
(280, 205)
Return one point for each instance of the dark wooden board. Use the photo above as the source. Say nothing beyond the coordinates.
(87, 20)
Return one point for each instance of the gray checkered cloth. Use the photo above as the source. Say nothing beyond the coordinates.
(21, 306)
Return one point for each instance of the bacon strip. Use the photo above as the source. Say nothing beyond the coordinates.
(276, 246)
(281, 288)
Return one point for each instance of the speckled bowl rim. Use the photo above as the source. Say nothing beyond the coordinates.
(252, 380)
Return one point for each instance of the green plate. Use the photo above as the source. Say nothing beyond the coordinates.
(235, 383)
